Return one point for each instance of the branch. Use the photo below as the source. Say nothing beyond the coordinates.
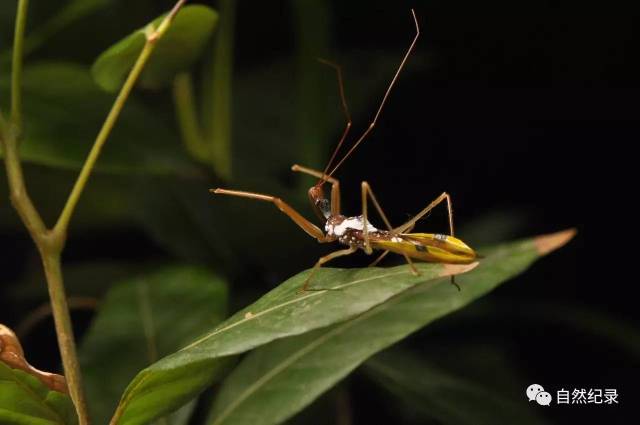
(50, 242)
(16, 67)
(153, 35)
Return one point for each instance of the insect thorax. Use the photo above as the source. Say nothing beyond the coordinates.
(349, 230)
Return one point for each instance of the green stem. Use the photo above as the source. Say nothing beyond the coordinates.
(187, 117)
(219, 136)
(50, 243)
(17, 190)
(312, 23)
(64, 330)
(153, 35)
(63, 221)
(16, 67)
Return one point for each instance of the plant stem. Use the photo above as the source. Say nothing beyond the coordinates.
(153, 35)
(16, 67)
(187, 117)
(50, 242)
(219, 137)
(63, 221)
(17, 190)
(64, 330)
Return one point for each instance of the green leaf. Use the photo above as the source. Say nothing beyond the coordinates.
(24, 400)
(141, 320)
(64, 111)
(282, 312)
(433, 394)
(175, 52)
(278, 380)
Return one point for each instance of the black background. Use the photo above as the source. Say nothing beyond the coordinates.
(527, 114)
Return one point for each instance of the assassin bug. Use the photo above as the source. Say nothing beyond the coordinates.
(357, 232)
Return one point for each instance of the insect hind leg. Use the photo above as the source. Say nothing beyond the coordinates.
(411, 223)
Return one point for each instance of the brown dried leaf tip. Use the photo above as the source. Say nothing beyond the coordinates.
(547, 243)
(12, 355)
(455, 269)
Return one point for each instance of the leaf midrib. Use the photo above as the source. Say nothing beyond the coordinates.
(121, 408)
(324, 338)
(278, 306)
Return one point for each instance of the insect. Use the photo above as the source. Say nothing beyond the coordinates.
(357, 232)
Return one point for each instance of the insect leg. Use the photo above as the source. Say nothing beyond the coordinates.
(323, 260)
(380, 257)
(366, 191)
(384, 254)
(335, 185)
(409, 224)
(311, 229)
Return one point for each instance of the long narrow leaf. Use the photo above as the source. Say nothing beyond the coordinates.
(282, 312)
(278, 380)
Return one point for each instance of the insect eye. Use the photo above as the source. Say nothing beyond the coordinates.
(323, 205)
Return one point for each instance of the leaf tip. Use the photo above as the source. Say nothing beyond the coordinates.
(12, 354)
(453, 269)
(546, 243)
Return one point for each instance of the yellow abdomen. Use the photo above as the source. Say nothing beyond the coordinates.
(428, 247)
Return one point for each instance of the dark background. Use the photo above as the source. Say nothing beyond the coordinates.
(526, 113)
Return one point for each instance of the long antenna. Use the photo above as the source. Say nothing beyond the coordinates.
(345, 109)
(384, 100)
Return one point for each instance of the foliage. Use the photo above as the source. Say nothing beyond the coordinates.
(161, 335)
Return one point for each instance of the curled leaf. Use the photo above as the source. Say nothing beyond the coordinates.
(28, 395)
(12, 355)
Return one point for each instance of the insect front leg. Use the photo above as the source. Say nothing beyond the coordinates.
(311, 229)
(323, 260)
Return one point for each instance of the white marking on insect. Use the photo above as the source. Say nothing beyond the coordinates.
(396, 239)
(351, 223)
(440, 237)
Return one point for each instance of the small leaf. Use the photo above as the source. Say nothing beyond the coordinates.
(267, 384)
(64, 111)
(176, 51)
(28, 395)
(282, 312)
(143, 319)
